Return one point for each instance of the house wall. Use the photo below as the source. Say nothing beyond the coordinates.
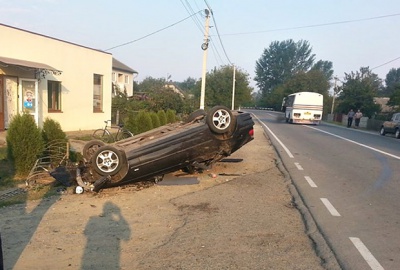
(78, 65)
(121, 83)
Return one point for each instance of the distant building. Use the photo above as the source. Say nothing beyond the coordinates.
(382, 101)
(122, 77)
(175, 89)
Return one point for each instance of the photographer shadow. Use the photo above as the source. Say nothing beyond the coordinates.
(104, 234)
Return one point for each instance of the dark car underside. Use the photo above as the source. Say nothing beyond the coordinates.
(189, 146)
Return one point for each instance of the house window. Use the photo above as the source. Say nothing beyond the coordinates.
(97, 93)
(54, 96)
(126, 79)
(114, 77)
(120, 78)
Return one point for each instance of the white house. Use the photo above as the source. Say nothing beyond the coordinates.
(122, 77)
(51, 78)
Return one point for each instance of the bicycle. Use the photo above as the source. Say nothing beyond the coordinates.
(103, 134)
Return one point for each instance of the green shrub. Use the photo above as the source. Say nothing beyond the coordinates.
(162, 116)
(155, 120)
(55, 141)
(52, 131)
(130, 124)
(143, 122)
(24, 143)
(171, 116)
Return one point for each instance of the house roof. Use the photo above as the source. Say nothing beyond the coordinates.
(23, 63)
(121, 66)
(26, 31)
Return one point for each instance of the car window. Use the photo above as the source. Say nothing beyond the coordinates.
(397, 117)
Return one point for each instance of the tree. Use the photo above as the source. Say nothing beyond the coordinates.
(159, 97)
(219, 87)
(325, 67)
(395, 98)
(151, 85)
(187, 85)
(392, 82)
(280, 62)
(358, 90)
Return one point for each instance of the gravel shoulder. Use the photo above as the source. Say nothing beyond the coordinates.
(248, 216)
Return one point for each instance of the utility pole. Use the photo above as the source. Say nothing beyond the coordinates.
(233, 87)
(204, 46)
(334, 95)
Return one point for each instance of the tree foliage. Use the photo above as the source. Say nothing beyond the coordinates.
(219, 88)
(287, 67)
(326, 67)
(394, 100)
(280, 61)
(358, 90)
(392, 82)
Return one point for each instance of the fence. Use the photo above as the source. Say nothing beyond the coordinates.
(365, 122)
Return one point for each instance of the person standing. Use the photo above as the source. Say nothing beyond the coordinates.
(357, 118)
(350, 116)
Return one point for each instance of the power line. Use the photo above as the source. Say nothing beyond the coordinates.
(152, 33)
(314, 25)
(189, 10)
(219, 36)
(386, 63)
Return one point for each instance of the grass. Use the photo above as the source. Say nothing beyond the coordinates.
(6, 170)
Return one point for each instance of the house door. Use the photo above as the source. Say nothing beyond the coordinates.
(10, 99)
(2, 126)
(28, 91)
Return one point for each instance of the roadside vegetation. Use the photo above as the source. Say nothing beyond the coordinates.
(286, 67)
(26, 143)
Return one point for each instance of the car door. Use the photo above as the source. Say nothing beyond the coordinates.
(391, 124)
(396, 121)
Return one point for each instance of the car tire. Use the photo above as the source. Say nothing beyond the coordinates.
(90, 148)
(107, 160)
(382, 131)
(220, 120)
(195, 114)
(397, 134)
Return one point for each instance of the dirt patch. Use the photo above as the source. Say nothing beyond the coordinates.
(238, 216)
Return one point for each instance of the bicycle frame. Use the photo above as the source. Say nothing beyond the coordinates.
(105, 135)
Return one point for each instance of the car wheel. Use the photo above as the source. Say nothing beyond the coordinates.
(382, 131)
(196, 114)
(397, 134)
(220, 119)
(90, 148)
(107, 160)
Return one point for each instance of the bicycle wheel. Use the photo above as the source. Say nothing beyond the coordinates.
(124, 134)
(102, 135)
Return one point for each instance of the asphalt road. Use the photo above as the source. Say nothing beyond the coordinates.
(349, 180)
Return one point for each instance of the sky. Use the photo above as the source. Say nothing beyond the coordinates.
(163, 38)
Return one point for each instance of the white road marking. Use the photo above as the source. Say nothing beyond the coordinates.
(298, 166)
(360, 144)
(276, 138)
(310, 181)
(367, 255)
(330, 207)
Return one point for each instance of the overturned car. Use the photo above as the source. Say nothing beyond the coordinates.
(191, 146)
